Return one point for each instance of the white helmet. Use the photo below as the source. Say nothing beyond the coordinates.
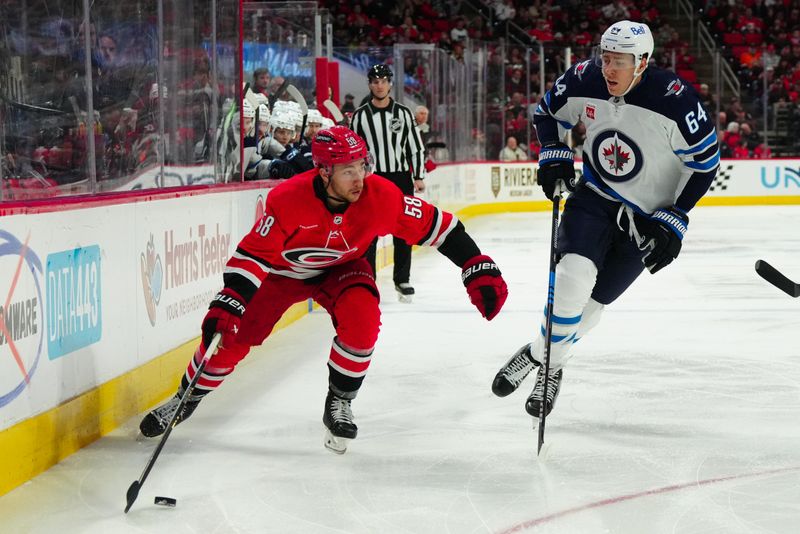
(261, 98)
(314, 117)
(628, 37)
(248, 112)
(327, 123)
(263, 113)
(281, 120)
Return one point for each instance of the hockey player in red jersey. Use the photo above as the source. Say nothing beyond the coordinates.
(310, 244)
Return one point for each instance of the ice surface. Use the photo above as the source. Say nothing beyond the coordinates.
(680, 413)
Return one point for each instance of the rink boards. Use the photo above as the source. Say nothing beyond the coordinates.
(102, 299)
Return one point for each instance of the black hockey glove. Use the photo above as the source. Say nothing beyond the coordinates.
(299, 157)
(280, 170)
(556, 162)
(662, 234)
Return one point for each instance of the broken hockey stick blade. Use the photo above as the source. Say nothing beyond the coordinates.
(335, 112)
(133, 490)
(777, 279)
(298, 97)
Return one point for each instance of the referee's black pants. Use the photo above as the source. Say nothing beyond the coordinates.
(402, 250)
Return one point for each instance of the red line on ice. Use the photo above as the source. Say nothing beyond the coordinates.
(621, 498)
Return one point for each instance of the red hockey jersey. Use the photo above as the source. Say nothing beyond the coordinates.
(299, 237)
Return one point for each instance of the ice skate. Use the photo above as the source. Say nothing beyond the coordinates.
(511, 375)
(534, 402)
(405, 292)
(155, 423)
(338, 420)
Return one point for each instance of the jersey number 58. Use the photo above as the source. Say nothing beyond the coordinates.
(413, 207)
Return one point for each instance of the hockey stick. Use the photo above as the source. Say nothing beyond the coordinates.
(551, 291)
(774, 277)
(274, 97)
(335, 112)
(133, 490)
(297, 97)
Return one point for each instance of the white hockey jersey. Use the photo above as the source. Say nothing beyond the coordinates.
(654, 147)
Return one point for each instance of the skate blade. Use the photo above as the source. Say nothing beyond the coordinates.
(335, 444)
(405, 299)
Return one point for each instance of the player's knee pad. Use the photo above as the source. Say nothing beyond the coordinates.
(575, 278)
(357, 318)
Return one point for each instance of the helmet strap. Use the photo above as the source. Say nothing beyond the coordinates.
(340, 203)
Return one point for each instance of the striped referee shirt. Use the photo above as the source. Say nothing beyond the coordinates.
(392, 136)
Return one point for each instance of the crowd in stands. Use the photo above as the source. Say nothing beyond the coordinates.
(761, 41)
(555, 25)
(46, 141)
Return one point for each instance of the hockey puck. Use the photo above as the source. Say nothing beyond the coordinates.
(166, 501)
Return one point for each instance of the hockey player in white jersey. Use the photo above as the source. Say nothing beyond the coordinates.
(650, 153)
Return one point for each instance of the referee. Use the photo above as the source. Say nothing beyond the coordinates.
(393, 139)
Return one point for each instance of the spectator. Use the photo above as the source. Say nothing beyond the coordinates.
(261, 81)
(512, 151)
(421, 116)
(459, 31)
(348, 106)
(706, 98)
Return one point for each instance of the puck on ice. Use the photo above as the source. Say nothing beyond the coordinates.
(166, 501)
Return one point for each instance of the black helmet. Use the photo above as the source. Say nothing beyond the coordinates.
(380, 71)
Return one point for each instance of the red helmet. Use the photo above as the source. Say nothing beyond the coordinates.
(337, 145)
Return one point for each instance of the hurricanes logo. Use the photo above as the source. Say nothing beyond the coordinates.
(617, 157)
(152, 277)
(314, 257)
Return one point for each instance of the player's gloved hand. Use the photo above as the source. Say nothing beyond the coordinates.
(662, 235)
(556, 163)
(280, 170)
(224, 316)
(485, 285)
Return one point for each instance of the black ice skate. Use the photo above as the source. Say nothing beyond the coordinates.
(338, 419)
(534, 402)
(155, 423)
(405, 292)
(511, 375)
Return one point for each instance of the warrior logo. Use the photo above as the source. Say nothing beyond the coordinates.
(617, 157)
(675, 87)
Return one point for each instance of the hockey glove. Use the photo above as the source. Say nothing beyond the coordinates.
(280, 170)
(556, 163)
(224, 316)
(485, 285)
(663, 234)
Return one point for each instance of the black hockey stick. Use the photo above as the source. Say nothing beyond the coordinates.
(774, 277)
(133, 490)
(278, 93)
(551, 292)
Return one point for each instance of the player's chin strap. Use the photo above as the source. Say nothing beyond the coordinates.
(636, 74)
(321, 188)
